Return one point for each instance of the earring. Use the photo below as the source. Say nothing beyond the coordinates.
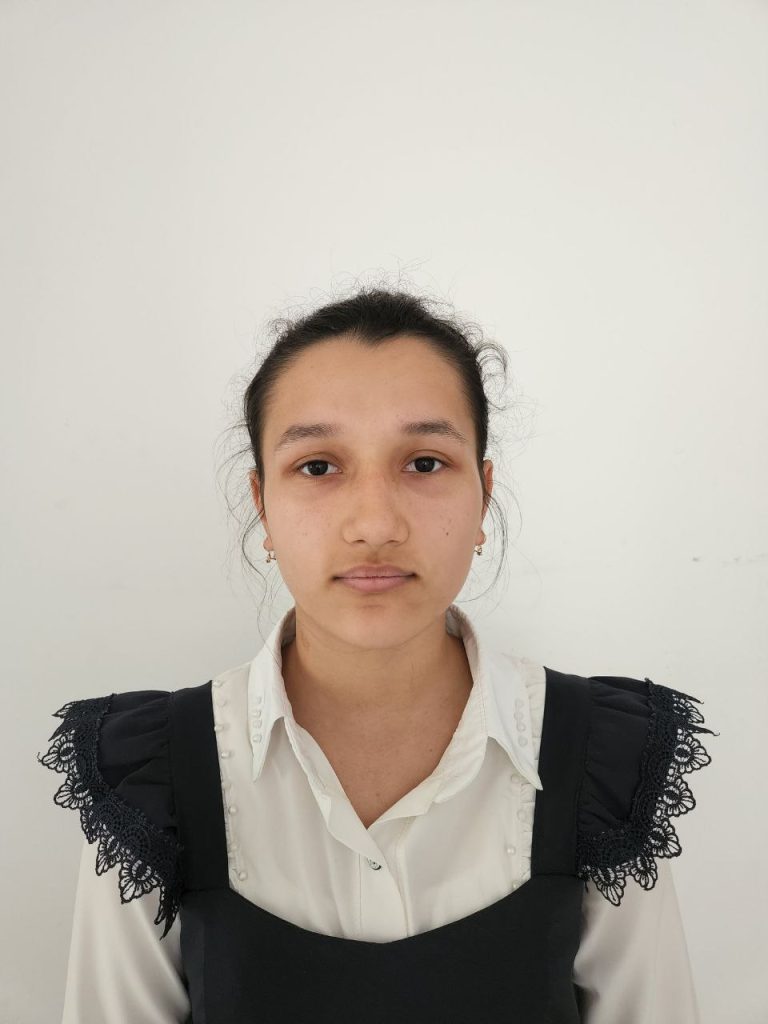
(478, 549)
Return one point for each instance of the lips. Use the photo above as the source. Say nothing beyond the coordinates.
(374, 572)
(375, 584)
(375, 576)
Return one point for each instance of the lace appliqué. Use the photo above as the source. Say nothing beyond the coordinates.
(671, 751)
(147, 855)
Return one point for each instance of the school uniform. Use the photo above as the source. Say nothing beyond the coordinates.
(225, 877)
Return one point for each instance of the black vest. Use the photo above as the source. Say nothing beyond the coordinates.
(511, 961)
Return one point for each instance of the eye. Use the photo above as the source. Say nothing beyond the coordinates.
(427, 458)
(313, 462)
(325, 462)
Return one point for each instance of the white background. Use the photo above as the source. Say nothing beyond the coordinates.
(584, 179)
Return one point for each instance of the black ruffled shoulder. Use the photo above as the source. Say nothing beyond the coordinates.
(641, 747)
(114, 753)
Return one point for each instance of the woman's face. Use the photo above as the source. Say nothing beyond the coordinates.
(362, 498)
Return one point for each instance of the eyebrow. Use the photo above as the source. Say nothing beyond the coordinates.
(300, 431)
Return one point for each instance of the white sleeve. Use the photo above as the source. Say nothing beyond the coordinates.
(119, 969)
(632, 964)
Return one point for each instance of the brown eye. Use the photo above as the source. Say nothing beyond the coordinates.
(426, 458)
(324, 462)
(314, 462)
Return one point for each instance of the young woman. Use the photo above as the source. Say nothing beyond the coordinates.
(381, 817)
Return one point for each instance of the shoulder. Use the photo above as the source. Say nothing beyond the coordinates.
(113, 751)
(641, 747)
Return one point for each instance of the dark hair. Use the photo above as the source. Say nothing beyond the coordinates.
(371, 316)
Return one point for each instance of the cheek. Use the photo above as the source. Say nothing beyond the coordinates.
(306, 531)
(450, 528)
(449, 510)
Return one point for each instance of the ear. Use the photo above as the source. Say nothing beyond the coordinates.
(488, 475)
(253, 479)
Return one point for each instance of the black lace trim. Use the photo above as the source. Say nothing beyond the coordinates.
(671, 751)
(148, 856)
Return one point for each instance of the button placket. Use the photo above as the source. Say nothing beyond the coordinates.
(233, 846)
(525, 816)
(512, 846)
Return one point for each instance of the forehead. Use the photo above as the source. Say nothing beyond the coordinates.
(353, 384)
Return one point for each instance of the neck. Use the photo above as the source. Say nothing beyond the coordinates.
(385, 689)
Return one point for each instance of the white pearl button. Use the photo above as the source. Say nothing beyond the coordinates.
(232, 847)
(257, 713)
(217, 682)
(256, 737)
(522, 740)
(521, 726)
(510, 849)
(226, 753)
(242, 874)
(232, 809)
(373, 864)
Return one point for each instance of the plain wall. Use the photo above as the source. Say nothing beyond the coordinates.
(586, 180)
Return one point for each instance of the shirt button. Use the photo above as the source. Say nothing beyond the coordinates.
(511, 849)
(522, 814)
(522, 740)
(521, 726)
(226, 753)
(373, 864)
(232, 809)
(256, 713)
(242, 874)
(217, 682)
(256, 737)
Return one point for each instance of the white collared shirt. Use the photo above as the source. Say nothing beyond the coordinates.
(297, 848)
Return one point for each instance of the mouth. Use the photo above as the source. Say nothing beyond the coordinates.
(374, 584)
(377, 576)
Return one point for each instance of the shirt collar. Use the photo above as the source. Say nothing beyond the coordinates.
(498, 706)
